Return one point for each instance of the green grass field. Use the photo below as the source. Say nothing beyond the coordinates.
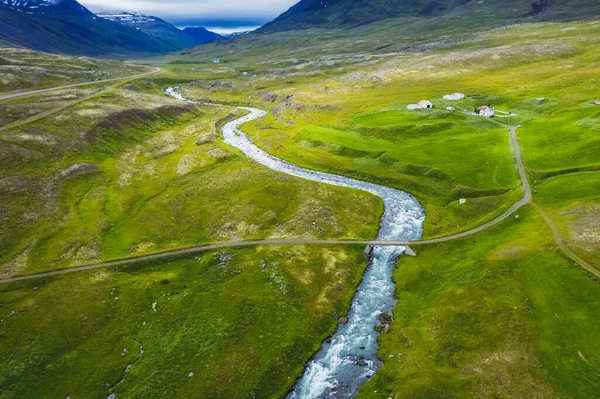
(22, 70)
(501, 314)
(138, 183)
(227, 324)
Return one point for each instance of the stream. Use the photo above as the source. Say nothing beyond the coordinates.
(349, 358)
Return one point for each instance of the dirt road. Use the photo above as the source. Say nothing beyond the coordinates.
(29, 93)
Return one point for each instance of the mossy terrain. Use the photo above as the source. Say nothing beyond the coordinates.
(502, 314)
(132, 172)
(22, 70)
(16, 110)
(229, 324)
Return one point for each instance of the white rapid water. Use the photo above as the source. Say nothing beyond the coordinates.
(349, 358)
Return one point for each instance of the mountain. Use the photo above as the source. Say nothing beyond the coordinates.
(66, 27)
(162, 30)
(236, 34)
(71, 7)
(203, 35)
(350, 13)
(339, 13)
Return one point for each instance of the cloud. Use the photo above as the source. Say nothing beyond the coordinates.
(228, 12)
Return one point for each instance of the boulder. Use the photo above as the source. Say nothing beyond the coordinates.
(362, 362)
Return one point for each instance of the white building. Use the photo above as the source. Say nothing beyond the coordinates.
(454, 97)
(423, 104)
(487, 111)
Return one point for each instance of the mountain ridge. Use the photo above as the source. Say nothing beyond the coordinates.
(203, 35)
(307, 14)
(47, 6)
(67, 27)
(162, 30)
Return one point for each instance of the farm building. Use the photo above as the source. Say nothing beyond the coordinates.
(423, 104)
(454, 97)
(487, 111)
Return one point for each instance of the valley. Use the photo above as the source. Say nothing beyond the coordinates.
(215, 247)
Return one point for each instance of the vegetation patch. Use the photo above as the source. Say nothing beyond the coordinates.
(512, 324)
(177, 327)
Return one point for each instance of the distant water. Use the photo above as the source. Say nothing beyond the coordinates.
(342, 366)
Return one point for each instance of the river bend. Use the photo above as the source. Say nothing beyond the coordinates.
(349, 358)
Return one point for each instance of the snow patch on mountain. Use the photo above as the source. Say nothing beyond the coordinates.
(236, 34)
(24, 5)
(44, 6)
(128, 18)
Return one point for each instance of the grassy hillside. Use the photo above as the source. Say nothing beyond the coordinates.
(132, 171)
(351, 13)
(230, 324)
(22, 70)
(502, 314)
(389, 33)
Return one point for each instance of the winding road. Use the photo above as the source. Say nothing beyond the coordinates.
(563, 245)
(70, 103)
(560, 241)
(29, 93)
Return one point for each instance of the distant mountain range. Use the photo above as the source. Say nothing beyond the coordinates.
(347, 13)
(236, 34)
(162, 30)
(351, 13)
(203, 35)
(67, 27)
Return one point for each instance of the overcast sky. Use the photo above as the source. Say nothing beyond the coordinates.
(231, 14)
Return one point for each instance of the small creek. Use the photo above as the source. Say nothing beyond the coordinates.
(349, 358)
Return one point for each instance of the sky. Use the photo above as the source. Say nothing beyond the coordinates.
(225, 16)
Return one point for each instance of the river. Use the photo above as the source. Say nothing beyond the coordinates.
(349, 358)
